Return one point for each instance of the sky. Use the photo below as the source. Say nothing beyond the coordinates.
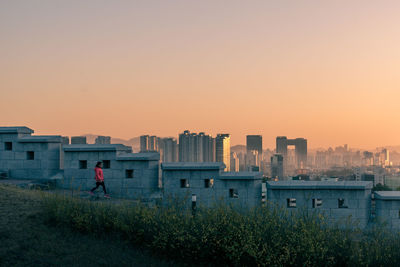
(327, 71)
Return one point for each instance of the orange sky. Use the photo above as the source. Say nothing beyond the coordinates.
(325, 72)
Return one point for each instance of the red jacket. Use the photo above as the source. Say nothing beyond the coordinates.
(99, 177)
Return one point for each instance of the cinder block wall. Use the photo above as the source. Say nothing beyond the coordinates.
(247, 188)
(142, 185)
(387, 208)
(356, 195)
(15, 162)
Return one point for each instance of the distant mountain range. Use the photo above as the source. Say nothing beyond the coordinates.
(133, 142)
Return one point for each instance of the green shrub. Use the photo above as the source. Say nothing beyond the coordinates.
(226, 235)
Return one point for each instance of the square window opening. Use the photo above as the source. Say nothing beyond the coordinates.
(8, 146)
(316, 203)
(129, 173)
(184, 183)
(342, 204)
(291, 202)
(233, 193)
(30, 155)
(106, 164)
(83, 164)
(208, 183)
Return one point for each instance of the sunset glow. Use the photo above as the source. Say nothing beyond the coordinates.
(328, 72)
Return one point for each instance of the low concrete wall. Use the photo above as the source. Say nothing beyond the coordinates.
(337, 201)
(387, 208)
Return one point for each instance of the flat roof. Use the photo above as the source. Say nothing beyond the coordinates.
(139, 156)
(343, 185)
(41, 139)
(240, 176)
(387, 195)
(96, 148)
(16, 130)
(192, 166)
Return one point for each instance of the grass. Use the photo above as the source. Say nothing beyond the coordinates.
(227, 236)
(71, 231)
(28, 239)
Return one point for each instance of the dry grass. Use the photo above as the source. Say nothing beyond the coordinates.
(27, 240)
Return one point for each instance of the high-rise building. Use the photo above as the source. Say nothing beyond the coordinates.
(254, 142)
(277, 170)
(103, 140)
(144, 143)
(234, 162)
(169, 149)
(300, 145)
(78, 140)
(153, 143)
(196, 147)
(252, 159)
(149, 143)
(223, 150)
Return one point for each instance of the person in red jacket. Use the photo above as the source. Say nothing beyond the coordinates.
(99, 177)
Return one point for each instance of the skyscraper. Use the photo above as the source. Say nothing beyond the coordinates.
(254, 142)
(103, 140)
(277, 166)
(234, 162)
(144, 143)
(169, 149)
(300, 145)
(223, 150)
(196, 147)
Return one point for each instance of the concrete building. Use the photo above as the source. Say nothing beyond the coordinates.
(337, 201)
(103, 140)
(210, 184)
(25, 156)
(277, 171)
(254, 142)
(144, 143)
(300, 145)
(235, 163)
(223, 150)
(127, 175)
(78, 140)
(169, 150)
(196, 147)
(149, 143)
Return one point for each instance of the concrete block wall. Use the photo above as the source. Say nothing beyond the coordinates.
(172, 175)
(46, 162)
(143, 185)
(356, 195)
(246, 185)
(387, 207)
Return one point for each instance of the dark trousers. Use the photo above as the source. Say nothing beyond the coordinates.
(97, 186)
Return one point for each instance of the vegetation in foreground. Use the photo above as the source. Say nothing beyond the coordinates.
(223, 235)
(26, 239)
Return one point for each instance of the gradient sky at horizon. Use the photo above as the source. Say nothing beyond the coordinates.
(328, 72)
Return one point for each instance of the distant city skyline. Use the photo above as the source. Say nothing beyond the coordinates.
(325, 71)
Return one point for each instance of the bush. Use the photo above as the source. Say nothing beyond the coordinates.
(224, 235)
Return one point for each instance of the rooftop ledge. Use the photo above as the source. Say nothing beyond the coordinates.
(41, 139)
(387, 195)
(192, 166)
(96, 148)
(139, 156)
(324, 185)
(16, 130)
(240, 176)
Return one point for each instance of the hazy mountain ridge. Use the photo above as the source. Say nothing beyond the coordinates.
(133, 142)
